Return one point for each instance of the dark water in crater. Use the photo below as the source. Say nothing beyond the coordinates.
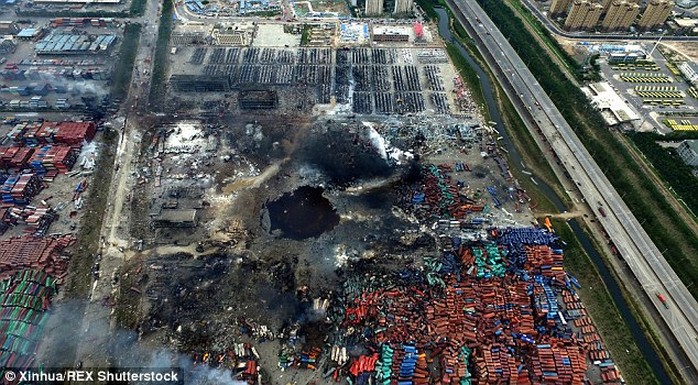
(302, 214)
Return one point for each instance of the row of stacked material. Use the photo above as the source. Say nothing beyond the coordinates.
(48, 160)
(38, 218)
(495, 365)
(362, 368)
(15, 158)
(68, 73)
(488, 261)
(20, 189)
(47, 132)
(35, 253)
(58, 62)
(51, 160)
(24, 297)
(241, 358)
(438, 195)
(558, 362)
(80, 21)
(475, 329)
(544, 260)
(544, 300)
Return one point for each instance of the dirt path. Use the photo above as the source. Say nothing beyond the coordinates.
(97, 320)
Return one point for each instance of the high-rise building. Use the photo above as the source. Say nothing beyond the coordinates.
(584, 14)
(374, 7)
(607, 3)
(403, 6)
(621, 14)
(559, 7)
(655, 14)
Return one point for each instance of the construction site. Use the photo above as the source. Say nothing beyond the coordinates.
(328, 214)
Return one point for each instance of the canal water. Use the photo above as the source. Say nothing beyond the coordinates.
(643, 344)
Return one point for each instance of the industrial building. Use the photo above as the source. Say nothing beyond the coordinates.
(584, 14)
(559, 7)
(690, 71)
(175, 218)
(684, 25)
(384, 34)
(30, 33)
(620, 15)
(655, 14)
(7, 47)
(258, 100)
(373, 7)
(607, 4)
(688, 151)
(64, 44)
(200, 83)
(191, 34)
(8, 28)
(403, 6)
(232, 35)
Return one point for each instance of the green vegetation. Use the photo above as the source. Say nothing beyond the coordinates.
(78, 282)
(124, 66)
(552, 45)
(305, 34)
(667, 229)
(603, 311)
(681, 135)
(670, 166)
(137, 7)
(428, 8)
(158, 86)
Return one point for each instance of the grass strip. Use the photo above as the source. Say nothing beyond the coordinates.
(124, 66)
(158, 88)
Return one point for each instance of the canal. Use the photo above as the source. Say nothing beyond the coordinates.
(515, 160)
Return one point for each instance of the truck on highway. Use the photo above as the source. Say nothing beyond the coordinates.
(662, 299)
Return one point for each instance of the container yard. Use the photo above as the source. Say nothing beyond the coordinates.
(330, 212)
(59, 64)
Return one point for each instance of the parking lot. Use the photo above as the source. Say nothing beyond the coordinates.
(644, 77)
(652, 88)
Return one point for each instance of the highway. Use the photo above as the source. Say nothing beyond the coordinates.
(552, 27)
(643, 258)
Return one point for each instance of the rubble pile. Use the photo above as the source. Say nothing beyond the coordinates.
(436, 194)
(38, 219)
(240, 358)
